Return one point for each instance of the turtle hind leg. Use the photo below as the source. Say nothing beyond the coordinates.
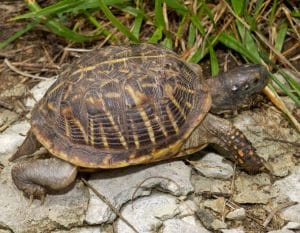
(37, 177)
(233, 142)
(29, 146)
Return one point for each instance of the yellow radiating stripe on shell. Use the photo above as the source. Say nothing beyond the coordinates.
(136, 96)
(91, 125)
(152, 85)
(172, 119)
(51, 106)
(83, 69)
(185, 89)
(136, 139)
(104, 138)
(119, 60)
(112, 95)
(188, 104)
(174, 101)
(81, 128)
(67, 127)
(162, 127)
(148, 125)
(121, 137)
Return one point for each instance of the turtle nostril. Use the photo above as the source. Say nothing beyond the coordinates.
(256, 80)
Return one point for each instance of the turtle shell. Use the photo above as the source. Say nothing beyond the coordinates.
(121, 105)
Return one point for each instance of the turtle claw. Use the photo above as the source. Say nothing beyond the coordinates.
(41, 198)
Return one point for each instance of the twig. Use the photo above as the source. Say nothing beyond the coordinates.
(21, 72)
(77, 50)
(273, 96)
(274, 211)
(35, 66)
(152, 177)
(107, 202)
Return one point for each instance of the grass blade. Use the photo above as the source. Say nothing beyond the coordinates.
(57, 28)
(116, 22)
(157, 36)
(17, 34)
(177, 6)
(137, 25)
(159, 17)
(285, 89)
(238, 6)
(234, 44)
(214, 65)
(283, 28)
(191, 36)
(248, 41)
(66, 6)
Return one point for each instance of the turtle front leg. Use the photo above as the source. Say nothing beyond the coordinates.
(232, 141)
(37, 177)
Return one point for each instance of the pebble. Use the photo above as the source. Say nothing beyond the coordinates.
(288, 189)
(180, 226)
(218, 224)
(212, 165)
(216, 205)
(237, 214)
(38, 91)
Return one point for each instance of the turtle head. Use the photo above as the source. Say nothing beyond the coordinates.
(234, 89)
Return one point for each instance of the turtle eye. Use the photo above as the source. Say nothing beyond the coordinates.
(234, 88)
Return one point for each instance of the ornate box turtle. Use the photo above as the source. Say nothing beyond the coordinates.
(126, 105)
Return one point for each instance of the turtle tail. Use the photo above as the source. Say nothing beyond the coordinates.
(29, 146)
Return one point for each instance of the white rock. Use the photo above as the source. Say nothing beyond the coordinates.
(180, 226)
(4, 231)
(119, 186)
(281, 231)
(292, 226)
(289, 188)
(210, 185)
(187, 207)
(234, 230)
(213, 165)
(216, 205)
(147, 214)
(38, 91)
(237, 214)
(80, 230)
(12, 137)
(218, 224)
(64, 210)
(252, 188)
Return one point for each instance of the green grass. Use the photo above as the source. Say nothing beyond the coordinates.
(193, 29)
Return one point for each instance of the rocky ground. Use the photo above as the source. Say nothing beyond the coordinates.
(200, 193)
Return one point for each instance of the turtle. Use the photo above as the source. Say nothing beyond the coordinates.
(127, 105)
